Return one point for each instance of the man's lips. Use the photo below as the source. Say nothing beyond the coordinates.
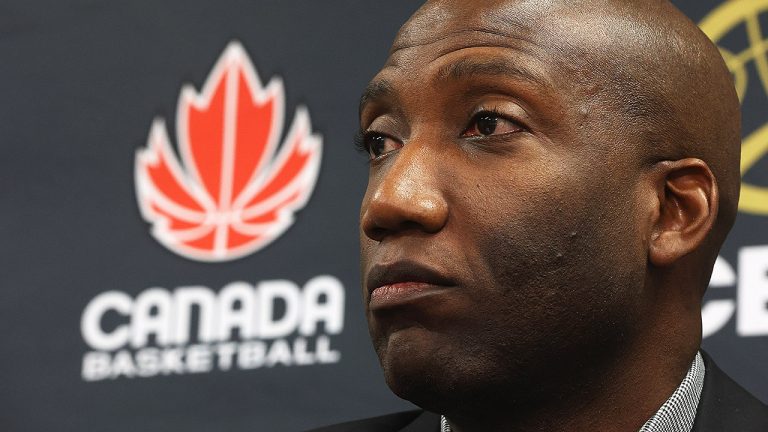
(403, 282)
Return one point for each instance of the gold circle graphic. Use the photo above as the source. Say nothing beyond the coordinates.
(719, 22)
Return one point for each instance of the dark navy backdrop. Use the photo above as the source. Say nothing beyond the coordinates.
(81, 82)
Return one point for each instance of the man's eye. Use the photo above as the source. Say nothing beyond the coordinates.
(378, 144)
(488, 123)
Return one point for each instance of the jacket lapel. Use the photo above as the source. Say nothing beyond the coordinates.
(725, 406)
(425, 422)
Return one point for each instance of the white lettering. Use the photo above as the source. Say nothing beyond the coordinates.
(90, 323)
(324, 352)
(152, 314)
(202, 358)
(232, 317)
(250, 355)
(225, 352)
(122, 365)
(171, 361)
(96, 366)
(279, 353)
(199, 359)
(148, 362)
(331, 312)
(753, 291)
(269, 291)
(184, 299)
(300, 354)
(150, 334)
(715, 314)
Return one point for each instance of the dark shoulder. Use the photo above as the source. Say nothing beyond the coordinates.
(726, 406)
(386, 423)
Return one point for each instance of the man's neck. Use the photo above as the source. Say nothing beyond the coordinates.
(622, 398)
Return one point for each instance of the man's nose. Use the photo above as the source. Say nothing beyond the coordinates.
(406, 197)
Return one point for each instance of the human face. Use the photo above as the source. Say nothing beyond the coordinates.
(497, 233)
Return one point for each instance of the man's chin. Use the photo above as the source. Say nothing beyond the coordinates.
(413, 362)
(425, 367)
(422, 385)
(443, 373)
(430, 384)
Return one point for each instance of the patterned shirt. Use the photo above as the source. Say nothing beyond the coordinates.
(676, 414)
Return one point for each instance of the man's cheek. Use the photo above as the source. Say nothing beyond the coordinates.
(366, 250)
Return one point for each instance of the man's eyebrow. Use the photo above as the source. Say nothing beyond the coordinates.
(464, 68)
(468, 67)
(376, 89)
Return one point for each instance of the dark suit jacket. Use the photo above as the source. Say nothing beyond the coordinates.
(724, 407)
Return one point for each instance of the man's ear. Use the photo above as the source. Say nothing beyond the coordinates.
(688, 202)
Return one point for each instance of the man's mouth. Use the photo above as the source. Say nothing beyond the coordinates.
(403, 282)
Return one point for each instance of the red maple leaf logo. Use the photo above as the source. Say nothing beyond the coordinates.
(232, 192)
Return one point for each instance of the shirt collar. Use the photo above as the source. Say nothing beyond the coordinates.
(679, 411)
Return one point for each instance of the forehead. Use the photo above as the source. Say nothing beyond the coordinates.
(440, 28)
(439, 19)
(450, 40)
(579, 25)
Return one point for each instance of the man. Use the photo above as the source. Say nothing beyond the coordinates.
(550, 182)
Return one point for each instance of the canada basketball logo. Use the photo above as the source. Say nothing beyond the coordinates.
(233, 190)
